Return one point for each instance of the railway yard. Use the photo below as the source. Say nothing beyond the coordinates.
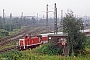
(9, 43)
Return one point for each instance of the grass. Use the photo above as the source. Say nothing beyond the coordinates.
(29, 55)
(38, 56)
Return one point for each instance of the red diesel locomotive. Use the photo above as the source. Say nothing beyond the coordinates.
(31, 42)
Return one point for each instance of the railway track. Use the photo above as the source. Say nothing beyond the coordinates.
(8, 49)
(16, 37)
(10, 40)
(14, 40)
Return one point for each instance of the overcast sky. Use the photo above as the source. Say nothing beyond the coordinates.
(32, 7)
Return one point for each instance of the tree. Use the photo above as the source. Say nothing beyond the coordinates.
(49, 48)
(72, 26)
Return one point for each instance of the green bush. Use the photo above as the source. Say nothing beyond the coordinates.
(12, 55)
(49, 49)
(87, 42)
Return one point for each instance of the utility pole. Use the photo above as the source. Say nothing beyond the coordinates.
(11, 21)
(61, 14)
(10, 15)
(47, 18)
(62, 18)
(22, 15)
(47, 25)
(3, 22)
(22, 21)
(37, 19)
(3, 13)
(55, 19)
